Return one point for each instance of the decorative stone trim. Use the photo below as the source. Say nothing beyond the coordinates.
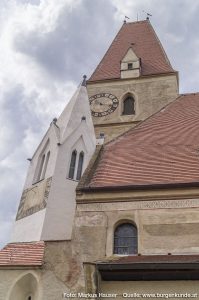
(158, 204)
(23, 211)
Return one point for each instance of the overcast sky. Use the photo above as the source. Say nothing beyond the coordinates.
(46, 46)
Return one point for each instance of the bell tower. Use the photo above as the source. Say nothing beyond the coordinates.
(133, 80)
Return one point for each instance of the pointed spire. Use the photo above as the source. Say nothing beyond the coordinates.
(84, 80)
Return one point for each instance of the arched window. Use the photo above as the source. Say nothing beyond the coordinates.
(125, 239)
(41, 167)
(25, 288)
(45, 165)
(128, 106)
(80, 165)
(72, 164)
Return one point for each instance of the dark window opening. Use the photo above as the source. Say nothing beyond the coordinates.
(45, 165)
(128, 106)
(80, 165)
(72, 164)
(130, 66)
(39, 177)
(125, 239)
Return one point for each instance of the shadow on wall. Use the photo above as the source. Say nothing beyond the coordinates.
(26, 288)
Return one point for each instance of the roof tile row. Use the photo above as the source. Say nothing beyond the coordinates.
(22, 254)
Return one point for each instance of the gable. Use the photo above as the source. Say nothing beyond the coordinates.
(130, 56)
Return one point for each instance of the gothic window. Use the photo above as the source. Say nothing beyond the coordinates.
(41, 167)
(80, 165)
(45, 165)
(72, 164)
(125, 239)
(25, 288)
(128, 106)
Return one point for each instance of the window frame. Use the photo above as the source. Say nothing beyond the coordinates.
(80, 166)
(72, 166)
(134, 238)
(125, 110)
(45, 166)
(41, 167)
(130, 66)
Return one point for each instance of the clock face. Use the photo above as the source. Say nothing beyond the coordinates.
(103, 104)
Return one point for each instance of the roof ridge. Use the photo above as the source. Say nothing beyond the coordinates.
(162, 48)
(141, 21)
(187, 94)
(33, 242)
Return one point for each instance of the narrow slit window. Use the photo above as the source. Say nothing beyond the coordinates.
(129, 106)
(80, 166)
(45, 165)
(72, 164)
(125, 239)
(41, 167)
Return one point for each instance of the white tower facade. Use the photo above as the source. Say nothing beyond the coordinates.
(47, 205)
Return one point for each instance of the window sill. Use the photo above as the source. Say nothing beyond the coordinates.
(37, 181)
(72, 179)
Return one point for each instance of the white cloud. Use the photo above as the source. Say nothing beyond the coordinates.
(5, 228)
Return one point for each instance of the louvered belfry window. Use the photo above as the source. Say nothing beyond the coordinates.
(72, 164)
(125, 239)
(129, 106)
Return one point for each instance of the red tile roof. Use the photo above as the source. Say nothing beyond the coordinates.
(22, 254)
(163, 149)
(141, 37)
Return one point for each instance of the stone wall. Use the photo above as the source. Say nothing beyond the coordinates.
(160, 231)
(150, 94)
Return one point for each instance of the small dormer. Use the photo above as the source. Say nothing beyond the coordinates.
(130, 65)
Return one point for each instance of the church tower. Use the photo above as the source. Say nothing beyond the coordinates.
(133, 80)
(48, 197)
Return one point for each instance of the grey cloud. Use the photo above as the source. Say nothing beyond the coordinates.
(16, 116)
(72, 49)
(33, 2)
(176, 23)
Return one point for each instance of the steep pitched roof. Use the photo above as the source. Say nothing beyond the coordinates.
(22, 254)
(141, 37)
(161, 150)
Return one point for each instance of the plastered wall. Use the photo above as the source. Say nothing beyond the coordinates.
(150, 94)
